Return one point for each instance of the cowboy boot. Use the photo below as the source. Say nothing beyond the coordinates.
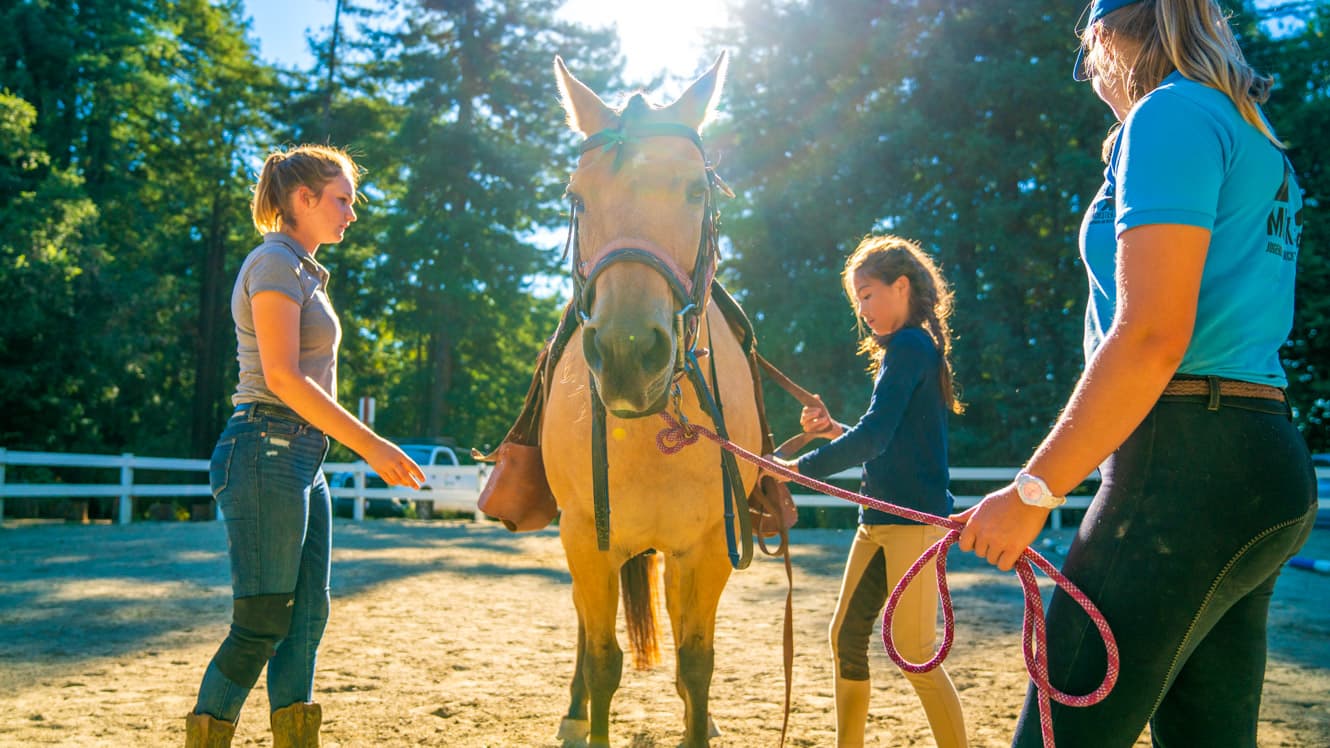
(206, 731)
(851, 712)
(297, 726)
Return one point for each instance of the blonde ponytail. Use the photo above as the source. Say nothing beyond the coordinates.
(285, 171)
(1196, 37)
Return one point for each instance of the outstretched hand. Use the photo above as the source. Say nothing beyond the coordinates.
(393, 465)
(1000, 528)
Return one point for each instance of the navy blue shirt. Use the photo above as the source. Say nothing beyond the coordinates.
(901, 440)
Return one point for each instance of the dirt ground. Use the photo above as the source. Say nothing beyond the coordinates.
(460, 634)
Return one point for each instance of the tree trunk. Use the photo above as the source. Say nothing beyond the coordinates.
(441, 380)
(332, 71)
(441, 343)
(205, 417)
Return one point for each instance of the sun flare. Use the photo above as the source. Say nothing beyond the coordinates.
(657, 37)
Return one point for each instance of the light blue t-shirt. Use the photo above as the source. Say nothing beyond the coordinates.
(1186, 156)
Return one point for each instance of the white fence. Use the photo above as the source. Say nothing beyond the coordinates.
(996, 477)
(457, 487)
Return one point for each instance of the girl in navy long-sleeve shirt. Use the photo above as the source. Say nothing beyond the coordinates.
(901, 440)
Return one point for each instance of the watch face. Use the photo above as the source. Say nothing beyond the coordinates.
(1030, 492)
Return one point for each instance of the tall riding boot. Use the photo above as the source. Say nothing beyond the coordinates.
(206, 731)
(297, 726)
(851, 712)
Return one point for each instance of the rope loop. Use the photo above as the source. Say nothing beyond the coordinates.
(939, 550)
(673, 439)
(1034, 639)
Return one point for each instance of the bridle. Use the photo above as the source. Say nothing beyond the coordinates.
(691, 292)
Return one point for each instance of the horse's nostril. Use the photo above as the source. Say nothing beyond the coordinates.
(591, 348)
(659, 354)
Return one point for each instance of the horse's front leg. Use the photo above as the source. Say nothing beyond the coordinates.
(600, 660)
(574, 727)
(693, 587)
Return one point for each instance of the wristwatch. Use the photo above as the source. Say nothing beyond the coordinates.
(1034, 491)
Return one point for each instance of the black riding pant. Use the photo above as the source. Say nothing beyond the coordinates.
(1198, 511)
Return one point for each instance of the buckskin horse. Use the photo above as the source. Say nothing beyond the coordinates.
(643, 238)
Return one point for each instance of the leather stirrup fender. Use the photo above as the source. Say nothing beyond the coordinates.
(771, 507)
(516, 491)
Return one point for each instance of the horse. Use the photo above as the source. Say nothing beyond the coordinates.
(643, 243)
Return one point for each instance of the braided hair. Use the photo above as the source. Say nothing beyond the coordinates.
(887, 258)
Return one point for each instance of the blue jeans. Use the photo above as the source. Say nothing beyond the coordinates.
(267, 475)
(1197, 513)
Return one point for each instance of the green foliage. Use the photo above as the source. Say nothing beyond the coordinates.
(1299, 109)
(146, 106)
(160, 112)
(46, 251)
(952, 123)
(130, 131)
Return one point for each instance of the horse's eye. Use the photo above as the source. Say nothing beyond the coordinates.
(697, 191)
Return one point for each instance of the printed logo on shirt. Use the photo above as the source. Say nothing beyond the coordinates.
(1105, 207)
(1283, 228)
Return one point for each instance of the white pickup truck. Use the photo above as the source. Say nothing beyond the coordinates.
(448, 485)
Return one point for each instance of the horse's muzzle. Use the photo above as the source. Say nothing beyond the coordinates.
(633, 365)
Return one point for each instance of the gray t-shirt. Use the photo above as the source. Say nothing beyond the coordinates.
(281, 264)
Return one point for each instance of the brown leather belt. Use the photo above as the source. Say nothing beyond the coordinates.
(1225, 387)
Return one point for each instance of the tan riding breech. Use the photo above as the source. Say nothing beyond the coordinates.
(879, 557)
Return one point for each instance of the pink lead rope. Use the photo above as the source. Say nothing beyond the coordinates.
(676, 436)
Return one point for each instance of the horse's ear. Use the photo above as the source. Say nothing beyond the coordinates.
(697, 104)
(587, 114)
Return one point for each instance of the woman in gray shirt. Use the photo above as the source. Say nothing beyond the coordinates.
(266, 470)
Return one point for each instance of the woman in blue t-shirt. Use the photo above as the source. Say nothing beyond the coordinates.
(901, 440)
(1207, 488)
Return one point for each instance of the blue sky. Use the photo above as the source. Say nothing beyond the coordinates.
(655, 36)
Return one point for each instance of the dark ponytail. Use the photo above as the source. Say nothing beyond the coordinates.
(886, 258)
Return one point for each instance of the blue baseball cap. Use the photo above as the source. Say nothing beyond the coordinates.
(1098, 9)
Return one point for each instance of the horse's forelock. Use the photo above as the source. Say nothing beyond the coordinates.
(636, 108)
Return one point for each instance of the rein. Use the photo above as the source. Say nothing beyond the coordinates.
(675, 436)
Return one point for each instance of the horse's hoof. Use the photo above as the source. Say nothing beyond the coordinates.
(712, 730)
(573, 730)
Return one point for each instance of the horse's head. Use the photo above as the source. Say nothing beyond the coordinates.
(644, 235)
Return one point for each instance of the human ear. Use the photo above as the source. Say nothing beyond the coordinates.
(306, 196)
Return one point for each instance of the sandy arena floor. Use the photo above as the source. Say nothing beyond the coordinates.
(461, 634)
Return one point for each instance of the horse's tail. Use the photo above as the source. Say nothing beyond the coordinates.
(638, 579)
